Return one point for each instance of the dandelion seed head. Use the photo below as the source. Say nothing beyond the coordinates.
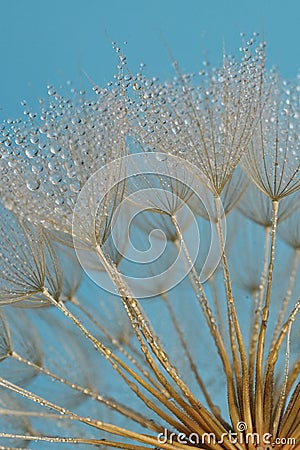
(208, 349)
(57, 151)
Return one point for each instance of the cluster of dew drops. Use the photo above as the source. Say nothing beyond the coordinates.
(276, 144)
(167, 114)
(53, 153)
(50, 155)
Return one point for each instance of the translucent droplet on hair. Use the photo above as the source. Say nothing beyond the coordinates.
(33, 185)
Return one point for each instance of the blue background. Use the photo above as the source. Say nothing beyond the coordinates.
(53, 41)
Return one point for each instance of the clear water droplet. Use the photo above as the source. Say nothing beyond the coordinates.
(161, 157)
(33, 184)
(31, 152)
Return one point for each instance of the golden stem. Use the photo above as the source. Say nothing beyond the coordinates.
(215, 410)
(115, 342)
(235, 327)
(202, 300)
(255, 328)
(135, 314)
(263, 412)
(111, 403)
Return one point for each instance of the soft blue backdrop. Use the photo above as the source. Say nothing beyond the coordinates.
(52, 41)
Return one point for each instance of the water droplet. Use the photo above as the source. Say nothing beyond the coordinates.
(55, 179)
(37, 168)
(33, 184)
(31, 152)
(75, 186)
(161, 157)
(51, 91)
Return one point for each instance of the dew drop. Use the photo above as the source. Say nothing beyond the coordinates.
(31, 152)
(51, 91)
(55, 179)
(33, 184)
(161, 157)
(75, 186)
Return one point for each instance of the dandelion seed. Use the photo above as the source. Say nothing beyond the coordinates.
(28, 262)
